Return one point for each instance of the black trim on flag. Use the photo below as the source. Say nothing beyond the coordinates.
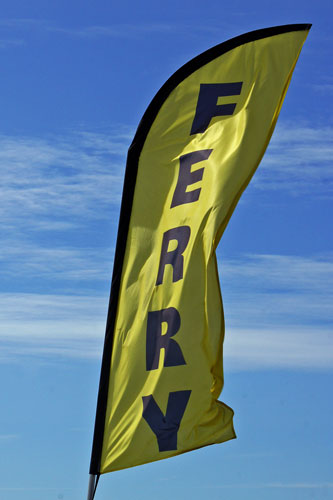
(127, 201)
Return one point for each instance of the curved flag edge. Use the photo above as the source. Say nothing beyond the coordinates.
(132, 164)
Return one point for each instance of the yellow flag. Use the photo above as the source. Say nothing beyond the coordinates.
(195, 150)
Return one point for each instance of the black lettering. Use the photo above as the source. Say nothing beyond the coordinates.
(155, 341)
(186, 177)
(165, 427)
(207, 106)
(174, 257)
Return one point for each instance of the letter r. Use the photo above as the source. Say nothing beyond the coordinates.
(174, 257)
(155, 341)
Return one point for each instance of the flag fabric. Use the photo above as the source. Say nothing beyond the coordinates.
(195, 151)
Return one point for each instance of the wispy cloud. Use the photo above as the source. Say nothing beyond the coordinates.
(29, 260)
(118, 31)
(44, 325)
(277, 289)
(281, 272)
(277, 307)
(51, 309)
(13, 31)
(300, 485)
(39, 489)
(278, 311)
(60, 179)
(325, 88)
(279, 347)
(298, 161)
(289, 328)
(10, 42)
(56, 181)
(20, 22)
(8, 437)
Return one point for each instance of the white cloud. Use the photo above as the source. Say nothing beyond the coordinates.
(30, 260)
(295, 485)
(120, 30)
(281, 271)
(298, 161)
(325, 88)
(278, 312)
(300, 485)
(27, 488)
(66, 326)
(279, 347)
(51, 309)
(277, 289)
(8, 437)
(281, 319)
(51, 326)
(20, 22)
(10, 42)
(116, 30)
(61, 180)
(58, 182)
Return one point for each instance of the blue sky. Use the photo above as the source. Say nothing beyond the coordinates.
(75, 80)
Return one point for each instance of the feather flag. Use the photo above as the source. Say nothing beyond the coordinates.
(196, 148)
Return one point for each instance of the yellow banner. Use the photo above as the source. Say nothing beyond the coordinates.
(194, 153)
